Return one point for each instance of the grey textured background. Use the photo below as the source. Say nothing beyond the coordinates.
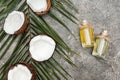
(101, 14)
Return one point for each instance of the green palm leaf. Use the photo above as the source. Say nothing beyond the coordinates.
(48, 70)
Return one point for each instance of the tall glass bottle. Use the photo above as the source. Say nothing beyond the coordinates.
(101, 45)
(86, 35)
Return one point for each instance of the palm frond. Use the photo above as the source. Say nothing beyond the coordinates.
(7, 9)
(48, 70)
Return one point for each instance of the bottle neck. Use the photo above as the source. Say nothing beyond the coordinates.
(104, 35)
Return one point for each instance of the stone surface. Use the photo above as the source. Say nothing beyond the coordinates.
(101, 14)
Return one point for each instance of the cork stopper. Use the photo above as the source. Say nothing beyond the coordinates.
(84, 22)
(105, 33)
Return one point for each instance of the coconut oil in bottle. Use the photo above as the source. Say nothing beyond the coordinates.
(101, 45)
(86, 35)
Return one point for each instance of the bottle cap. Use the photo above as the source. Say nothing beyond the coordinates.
(105, 33)
(84, 22)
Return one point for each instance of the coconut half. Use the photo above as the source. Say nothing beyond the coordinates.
(21, 71)
(40, 7)
(41, 47)
(15, 23)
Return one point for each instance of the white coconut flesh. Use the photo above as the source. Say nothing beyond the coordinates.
(37, 5)
(14, 22)
(42, 47)
(19, 72)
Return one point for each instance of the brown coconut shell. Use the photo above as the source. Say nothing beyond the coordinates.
(30, 52)
(23, 28)
(46, 11)
(32, 70)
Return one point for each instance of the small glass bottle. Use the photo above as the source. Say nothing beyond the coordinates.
(101, 45)
(86, 35)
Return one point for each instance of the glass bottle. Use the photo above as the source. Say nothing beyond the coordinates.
(101, 45)
(86, 35)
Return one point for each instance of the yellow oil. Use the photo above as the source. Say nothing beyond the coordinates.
(87, 36)
(100, 47)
